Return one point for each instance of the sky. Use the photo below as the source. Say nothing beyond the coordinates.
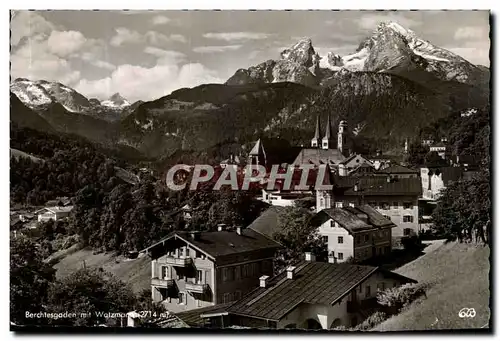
(148, 54)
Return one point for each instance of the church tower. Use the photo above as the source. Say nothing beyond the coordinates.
(315, 141)
(342, 141)
(327, 142)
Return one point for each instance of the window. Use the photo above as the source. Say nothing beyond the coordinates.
(181, 251)
(407, 219)
(395, 204)
(182, 298)
(227, 274)
(237, 272)
(164, 272)
(358, 240)
(367, 237)
(340, 240)
(367, 291)
(325, 239)
(199, 276)
(340, 255)
(226, 298)
(237, 295)
(332, 223)
(407, 232)
(338, 204)
(407, 205)
(360, 289)
(187, 252)
(351, 204)
(381, 286)
(387, 217)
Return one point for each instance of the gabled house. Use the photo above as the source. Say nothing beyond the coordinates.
(354, 233)
(54, 213)
(353, 162)
(199, 269)
(309, 295)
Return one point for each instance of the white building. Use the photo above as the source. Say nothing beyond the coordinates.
(54, 213)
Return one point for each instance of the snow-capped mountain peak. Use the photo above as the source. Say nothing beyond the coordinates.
(116, 101)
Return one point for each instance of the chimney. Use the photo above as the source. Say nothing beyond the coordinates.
(290, 272)
(331, 258)
(238, 230)
(310, 257)
(221, 227)
(263, 281)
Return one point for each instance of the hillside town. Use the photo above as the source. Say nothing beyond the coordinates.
(310, 192)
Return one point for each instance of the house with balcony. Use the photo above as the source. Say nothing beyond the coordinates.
(198, 269)
(354, 233)
(303, 297)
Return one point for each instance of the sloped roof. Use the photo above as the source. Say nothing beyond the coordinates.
(347, 219)
(193, 317)
(318, 156)
(374, 217)
(59, 209)
(313, 283)
(267, 223)
(223, 243)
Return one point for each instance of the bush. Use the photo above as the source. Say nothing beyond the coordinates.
(395, 299)
(372, 320)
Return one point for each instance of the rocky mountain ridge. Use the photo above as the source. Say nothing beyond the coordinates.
(390, 49)
(41, 94)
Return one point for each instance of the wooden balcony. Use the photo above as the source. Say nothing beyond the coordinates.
(197, 288)
(179, 261)
(164, 283)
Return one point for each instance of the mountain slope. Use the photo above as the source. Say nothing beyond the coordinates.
(23, 116)
(203, 116)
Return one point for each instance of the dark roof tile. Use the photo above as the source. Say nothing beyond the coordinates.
(314, 283)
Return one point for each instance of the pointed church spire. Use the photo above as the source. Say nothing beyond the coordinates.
(328, 132)
(316, 138)
(327, 142)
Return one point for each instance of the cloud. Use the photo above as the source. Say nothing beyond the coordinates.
(160, 20)
(137, 82)
(165, 56)
(370, 21)
(216, 49)
(35, 61)
(91, 58)
(27, 24)
(126, 36)
(66, 42)
(229, 36)
(476, 52)
(471, 32)
(169, 73)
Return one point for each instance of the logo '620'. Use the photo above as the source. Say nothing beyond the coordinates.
(467, 313)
